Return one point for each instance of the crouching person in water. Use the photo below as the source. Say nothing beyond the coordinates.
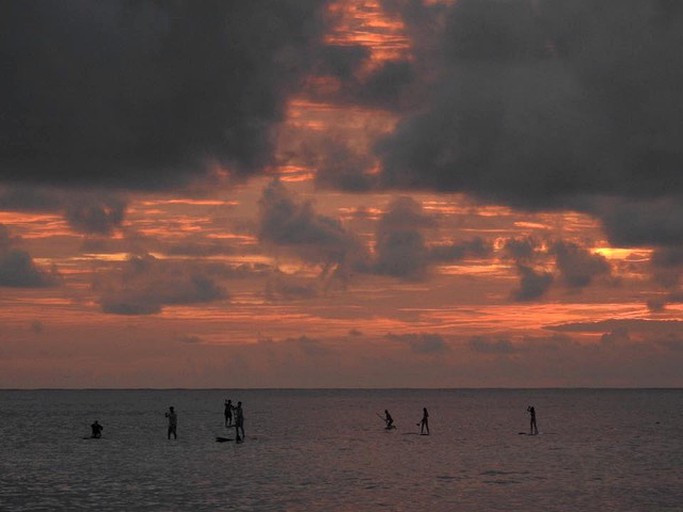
(388, 420)
(239, 422)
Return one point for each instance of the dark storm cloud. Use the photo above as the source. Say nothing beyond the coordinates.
(550, 104)
(17, 268)
(421, 343)
(34, 199)
(386, 87)
(644, 222)
(533, 284)
(198, 246)
(652, 327)
(293, 224)
(340, 167)
(97, 214)
(484, 345)
(283, 287)
(146, 94)
(401, 249)
(310, 347)
(666, 265)
(340, 62)
(577, 266)
(146, 284)
(476, 247)
(522, 250)
(87, 212)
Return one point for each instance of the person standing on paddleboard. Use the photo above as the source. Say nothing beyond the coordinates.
(424, 423)
(533, 428)
(239, 422)
(172, 423)
(228, 413)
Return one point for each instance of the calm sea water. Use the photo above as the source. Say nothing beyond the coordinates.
(326, 450)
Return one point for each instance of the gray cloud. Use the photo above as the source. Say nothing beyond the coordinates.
(422, 343)
(338, 166)
(533, 283)
(667, 265)
(484, 345)
(522, 250)
(146, 95)
(146, 284)
(309, 346)
(644, 222)
(401, 250)
(288, 223)
(550, 105)
(87, 212)
(199, 246)
(17, 268)
(35, 199)
(283, 287)
(456, 251)
(95, 214)
(577, 266)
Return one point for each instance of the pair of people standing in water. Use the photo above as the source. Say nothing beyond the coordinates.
(239, 420)
(229, 412)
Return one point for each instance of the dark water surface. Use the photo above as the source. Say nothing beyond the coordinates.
(315, 450)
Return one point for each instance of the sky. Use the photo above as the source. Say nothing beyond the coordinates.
(341, 193)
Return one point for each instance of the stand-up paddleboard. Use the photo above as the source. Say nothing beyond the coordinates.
(220, 439)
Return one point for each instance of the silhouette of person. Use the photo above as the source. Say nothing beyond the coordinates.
(228, 413)
(388, 420)
(96, 430)
(533, 428)
(239, 422)
(172, 423)
(424, 423)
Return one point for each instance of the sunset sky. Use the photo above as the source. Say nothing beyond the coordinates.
(351, 193)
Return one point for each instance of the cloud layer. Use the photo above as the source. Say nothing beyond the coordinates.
(550, 105)
(146, 95)
(17, 268)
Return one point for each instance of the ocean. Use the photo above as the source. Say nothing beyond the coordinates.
(327, 450)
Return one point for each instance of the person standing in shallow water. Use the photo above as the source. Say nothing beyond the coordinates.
(424, 423)
(239, 422)
(96, 430)
(172, 423)
(228, 413)
(533, 428)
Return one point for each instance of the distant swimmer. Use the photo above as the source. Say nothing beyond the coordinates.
(239, 422)
(533, 428)
(424, 422)
(228, 413)
(96, 430)
(172, 423)
(388, 420)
